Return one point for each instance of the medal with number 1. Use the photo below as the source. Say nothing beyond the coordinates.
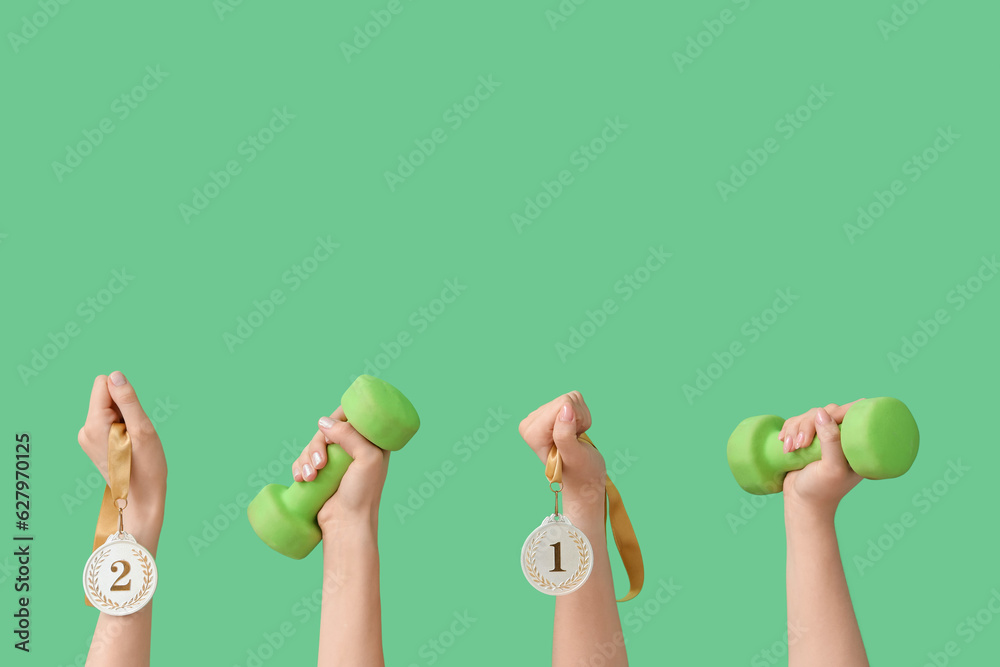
(556, 558)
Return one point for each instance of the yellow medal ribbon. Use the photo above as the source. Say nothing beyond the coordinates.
(119, 473)
(621, 526)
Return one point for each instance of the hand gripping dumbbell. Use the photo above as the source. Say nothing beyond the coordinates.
(879, 437)
(285, 518)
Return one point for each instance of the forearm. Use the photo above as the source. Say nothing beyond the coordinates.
(586, 620)
(124, 641)
(351, 620)
(819, 604)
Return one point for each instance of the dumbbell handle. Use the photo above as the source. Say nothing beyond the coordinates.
(786, 462)
(307, 498)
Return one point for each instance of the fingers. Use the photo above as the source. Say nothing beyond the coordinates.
(840, 411)
(356, 445)
(537, 428)
(798, 432)
(123, 394)
(311, 460)
(335, 429)
(314, 457)
(100, 399)
(565, 432)
(829, 440)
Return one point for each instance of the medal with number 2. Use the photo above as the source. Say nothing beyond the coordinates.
(557, 558)
(120, 575)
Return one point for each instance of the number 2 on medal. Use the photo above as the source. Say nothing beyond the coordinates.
(127, 586)
(557, 548)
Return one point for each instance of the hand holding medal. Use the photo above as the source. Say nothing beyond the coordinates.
(120, 575)
(557, 557)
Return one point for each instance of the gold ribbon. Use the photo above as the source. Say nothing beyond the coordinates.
(119, 473)
(621, 526)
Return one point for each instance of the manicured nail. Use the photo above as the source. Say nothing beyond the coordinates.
(800, 439)
(307, 471)
(822, 417)
(317, 459)
(788, 443)
(566, 414)
(784, 447)
(117, 378)
(325, 422)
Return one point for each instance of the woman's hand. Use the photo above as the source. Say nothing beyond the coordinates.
(113, 400)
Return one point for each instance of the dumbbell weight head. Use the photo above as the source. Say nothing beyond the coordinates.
(879, 437)
(285, 518)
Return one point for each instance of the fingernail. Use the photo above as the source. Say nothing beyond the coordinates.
(566, 414)
(784, 447)
(788, 443)
(316, 459)
(307, 471)
(799, 438)
(822, 417)
(117, 378)
(325, 422)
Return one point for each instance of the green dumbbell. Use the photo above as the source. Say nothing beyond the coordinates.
(285, 518)
(879, 437)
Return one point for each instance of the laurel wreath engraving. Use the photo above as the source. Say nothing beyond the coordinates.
(538, 578)
(97, 597)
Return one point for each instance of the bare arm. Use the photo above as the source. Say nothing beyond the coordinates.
(124, 641)
(586, 620)
(819, 602)
(350, 633)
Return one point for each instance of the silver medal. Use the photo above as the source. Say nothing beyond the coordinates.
(557, 558)
(120, 576)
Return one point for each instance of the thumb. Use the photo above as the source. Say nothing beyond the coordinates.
(564, 431)
(123, 394)
(829, 440)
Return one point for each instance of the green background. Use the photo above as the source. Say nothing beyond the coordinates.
(494, 347)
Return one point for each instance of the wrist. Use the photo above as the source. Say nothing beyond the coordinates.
(355, 527)
(801, 516)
